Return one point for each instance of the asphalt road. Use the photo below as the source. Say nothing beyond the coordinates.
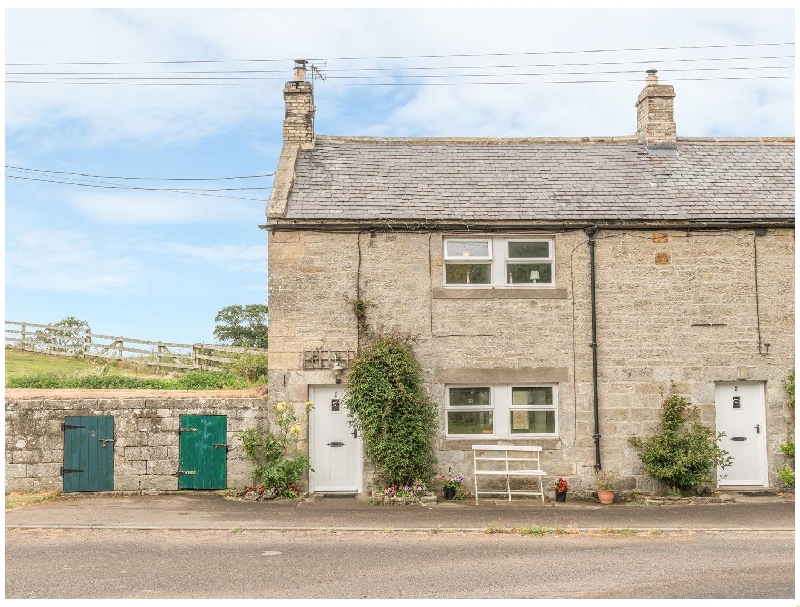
(119, 563)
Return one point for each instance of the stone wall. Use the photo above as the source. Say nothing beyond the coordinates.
(676, 311)
(146, 423)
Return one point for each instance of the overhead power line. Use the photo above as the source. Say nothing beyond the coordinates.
(415, 68)
(131, 187)
(441, 56)
(92, 77)
(193, 192)
(47, 171)
(461, 83)
(529, 53)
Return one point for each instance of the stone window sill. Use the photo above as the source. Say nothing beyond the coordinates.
(499, 293)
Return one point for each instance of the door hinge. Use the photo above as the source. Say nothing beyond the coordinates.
(187, 430)
(69, 427)
(220, 447)
(180, 472)
(69, 470)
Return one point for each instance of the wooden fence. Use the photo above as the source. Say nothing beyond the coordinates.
(50, 339)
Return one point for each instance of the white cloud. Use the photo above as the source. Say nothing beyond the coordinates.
(53, 260)
(234, 258)
(155, 208)
(54, 115)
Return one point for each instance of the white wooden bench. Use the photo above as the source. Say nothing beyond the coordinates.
(507, 461)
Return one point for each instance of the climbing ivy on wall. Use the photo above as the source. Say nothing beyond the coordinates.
(389, 407)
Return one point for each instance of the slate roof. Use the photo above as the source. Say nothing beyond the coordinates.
(353, 178)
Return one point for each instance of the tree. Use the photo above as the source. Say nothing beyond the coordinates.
(243, 326)
(68, 335)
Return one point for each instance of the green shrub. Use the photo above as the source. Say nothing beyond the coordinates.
(37, 380)
(278, 471)
(207, 380)
(388, 406)
(204, 380)
(253, 367)
(786, 472)
(683, 453)
(114, 382)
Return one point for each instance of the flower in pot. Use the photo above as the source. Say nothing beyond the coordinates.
(451, 484)
(561, 487)
(606, 485)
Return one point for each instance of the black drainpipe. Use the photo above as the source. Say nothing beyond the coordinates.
(591, 232)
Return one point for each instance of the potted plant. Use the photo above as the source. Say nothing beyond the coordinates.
(451, 484)
(606, 485)
(561, 486)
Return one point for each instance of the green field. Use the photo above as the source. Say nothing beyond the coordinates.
(19, 363)
(36, 370)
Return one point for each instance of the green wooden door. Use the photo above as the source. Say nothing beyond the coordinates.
(203, 452)
(88, 453)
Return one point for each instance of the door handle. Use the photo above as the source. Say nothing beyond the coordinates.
(758, 428)
(355, 433)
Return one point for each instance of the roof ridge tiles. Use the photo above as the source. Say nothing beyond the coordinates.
(474, 140)
(614, 139)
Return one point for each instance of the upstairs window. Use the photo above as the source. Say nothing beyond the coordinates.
(498, 262)
(468, 262)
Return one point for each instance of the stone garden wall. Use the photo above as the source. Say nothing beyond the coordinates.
(146, 423)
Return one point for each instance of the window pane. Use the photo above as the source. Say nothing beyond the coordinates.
(469, 422)
(470, 397)
(528, 249)
(529, 273)
(533, 422)
(467, 274)
(467, 248)
(541, 396)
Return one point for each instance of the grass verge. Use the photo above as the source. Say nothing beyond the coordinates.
(17, 500)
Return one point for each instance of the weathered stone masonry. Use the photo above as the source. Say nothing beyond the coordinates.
(676, 310)
(146, 446)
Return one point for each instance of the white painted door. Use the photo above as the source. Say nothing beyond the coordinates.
(740, 415)
(335, 451)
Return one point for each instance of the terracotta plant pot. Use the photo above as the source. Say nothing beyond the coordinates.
(606, 497)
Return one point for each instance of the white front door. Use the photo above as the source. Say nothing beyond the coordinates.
(334, 450)
(740, 415)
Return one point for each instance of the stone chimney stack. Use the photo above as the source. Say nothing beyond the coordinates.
(298, 94)
(655, 116)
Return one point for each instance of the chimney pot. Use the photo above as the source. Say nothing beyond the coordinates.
(299, 70)
(651, 77)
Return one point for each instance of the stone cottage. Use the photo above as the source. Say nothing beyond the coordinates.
(557, 288)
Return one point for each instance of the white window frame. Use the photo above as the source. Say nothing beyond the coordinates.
(499, 260)
(501, 407)
(528, 260)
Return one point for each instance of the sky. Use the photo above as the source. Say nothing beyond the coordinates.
(96, 95)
